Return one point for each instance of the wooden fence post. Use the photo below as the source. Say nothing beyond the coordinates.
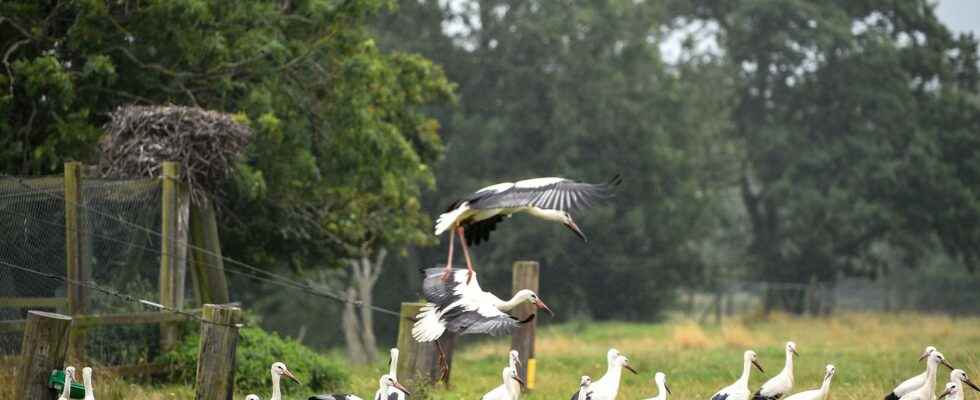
(208, 274)
(525, 276)
(173, 247)
(76, 259)
(216, 354)
(418, 363)
(43, 350)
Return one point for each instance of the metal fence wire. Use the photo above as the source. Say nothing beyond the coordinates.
(119, 256)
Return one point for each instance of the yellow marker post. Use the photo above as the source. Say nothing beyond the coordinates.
(531, 367)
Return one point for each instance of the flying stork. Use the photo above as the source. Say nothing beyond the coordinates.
(473, 217)
(817, 394)
(464, 308)
(740, 389)
(779, 385)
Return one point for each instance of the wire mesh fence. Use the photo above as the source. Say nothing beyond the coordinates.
(120, 256)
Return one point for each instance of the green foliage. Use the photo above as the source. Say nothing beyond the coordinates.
(257, 350)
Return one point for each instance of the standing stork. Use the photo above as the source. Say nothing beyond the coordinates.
(928, 389)
(509, 390)
(87, 381)
(779, 385)
(473, 217)
(959, 377)
(278, 370)
(514, 361)
(740, 389)
(393, 370)
(69, 377)
(464, 308)
(954, 391)
(817, 394)
(912, 383)
(662, 389)
(607, 387)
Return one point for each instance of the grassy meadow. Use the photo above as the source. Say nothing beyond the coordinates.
(872, 352)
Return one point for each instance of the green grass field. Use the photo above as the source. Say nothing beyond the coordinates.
(872, 352)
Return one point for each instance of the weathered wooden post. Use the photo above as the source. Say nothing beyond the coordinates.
(216, 355)
(173, 247)
(418, 363)
(76, 260)
(525, 276)
(43, 350)
(208, 274)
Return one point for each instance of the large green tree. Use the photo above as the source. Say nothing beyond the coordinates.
(343, 146)
(576, 90)
(854, 119)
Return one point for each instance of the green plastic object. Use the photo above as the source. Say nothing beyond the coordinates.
(57, 383)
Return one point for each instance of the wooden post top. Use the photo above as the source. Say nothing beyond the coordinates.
(222, 313)
(45, 314)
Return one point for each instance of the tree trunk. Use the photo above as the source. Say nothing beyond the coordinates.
(355, 349)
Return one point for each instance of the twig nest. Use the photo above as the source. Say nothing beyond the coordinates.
(205, 143)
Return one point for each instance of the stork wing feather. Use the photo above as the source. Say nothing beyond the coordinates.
(475, 322)
(559, 194)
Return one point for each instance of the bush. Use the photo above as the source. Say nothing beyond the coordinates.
(257, 350)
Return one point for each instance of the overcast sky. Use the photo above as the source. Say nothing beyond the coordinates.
(960, 15)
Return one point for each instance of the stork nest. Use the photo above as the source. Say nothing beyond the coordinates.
(205, 143)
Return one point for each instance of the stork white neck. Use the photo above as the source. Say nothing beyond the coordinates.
(746, 369)
(276, 393)
(550, 215)
(661, 387)
(87, 380)
(518, 299)
(513, 387)
(788, 368)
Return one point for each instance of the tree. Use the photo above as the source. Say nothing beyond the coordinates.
(846, 114)
(576, 90)
(343, 145)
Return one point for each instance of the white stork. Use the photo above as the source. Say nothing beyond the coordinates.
(912, 383)
(959, 378)
(779, 385)
(928, 389)
(473, 217)
(278, 370)
(87, 381)
(252, 397)
(954, 391)
(817, 394)
(585, 388)
(662, 389)
(390, 389)
(393, 369)
(464, 308)
(69, 377)
(514, 361)
(607, 387)
(509, 390)
(740, 389)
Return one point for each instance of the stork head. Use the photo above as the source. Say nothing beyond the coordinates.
(791, 348)
(567, 220)
(511, 374)
(938, 358)
(624, 362)
(611, 356)
(661, 379)
(515, 358)
(387, 381)
(585, 382)
(952, 388)
(531, 297)
(252, 397)
(925, 353)
(959, 375)
(831, 370)
(279, 370)
(750, 356)
(70, 371)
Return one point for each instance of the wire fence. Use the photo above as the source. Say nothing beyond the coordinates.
(121, 221)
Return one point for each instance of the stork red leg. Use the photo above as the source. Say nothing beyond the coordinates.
(447, 276)
(443, 364)
(466, 253)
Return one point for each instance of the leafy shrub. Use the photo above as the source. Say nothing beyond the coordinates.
(257, 350)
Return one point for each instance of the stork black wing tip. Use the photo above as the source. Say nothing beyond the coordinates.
(616, 180)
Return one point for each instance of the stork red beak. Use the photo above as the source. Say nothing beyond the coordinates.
(758, 366)
(972, 385)
(540, 304)
(571, 225)
(402, 388)
(290, 375)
